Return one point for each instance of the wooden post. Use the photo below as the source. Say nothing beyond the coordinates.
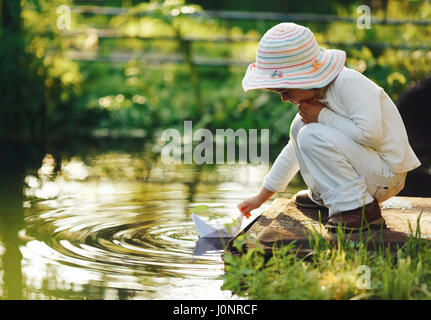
(186, 49)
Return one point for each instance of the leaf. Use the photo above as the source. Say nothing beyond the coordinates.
(199, 208)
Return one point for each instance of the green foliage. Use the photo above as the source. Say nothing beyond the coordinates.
(21, 92)
(216, 100)
(53, 90)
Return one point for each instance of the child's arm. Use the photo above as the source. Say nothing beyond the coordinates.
(284, 169)
(255, 202)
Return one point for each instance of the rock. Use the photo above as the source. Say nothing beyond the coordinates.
(284, 222)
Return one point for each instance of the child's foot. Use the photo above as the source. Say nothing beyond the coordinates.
(352, 220)
(302, 199)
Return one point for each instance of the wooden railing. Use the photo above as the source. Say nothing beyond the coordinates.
(121, 56)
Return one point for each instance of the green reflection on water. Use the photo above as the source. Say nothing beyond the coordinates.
(110, 222)
(11, 221)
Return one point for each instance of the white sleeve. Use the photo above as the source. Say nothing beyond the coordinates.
(362, 102)
(283, 170)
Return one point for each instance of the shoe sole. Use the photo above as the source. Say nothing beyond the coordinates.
(376, 224)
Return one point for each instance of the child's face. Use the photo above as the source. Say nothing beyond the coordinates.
(296, 96)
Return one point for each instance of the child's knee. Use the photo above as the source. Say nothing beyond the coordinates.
(310, 137)
(296, 125)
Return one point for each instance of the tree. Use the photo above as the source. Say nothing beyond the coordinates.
(22, 110)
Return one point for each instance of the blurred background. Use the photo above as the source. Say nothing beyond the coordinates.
(87, 209)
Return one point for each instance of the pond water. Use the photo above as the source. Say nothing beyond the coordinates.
(111, 221)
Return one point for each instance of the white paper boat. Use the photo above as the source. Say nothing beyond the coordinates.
(218, 230)
(215, 237)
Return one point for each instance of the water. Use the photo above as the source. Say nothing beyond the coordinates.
(114, 223)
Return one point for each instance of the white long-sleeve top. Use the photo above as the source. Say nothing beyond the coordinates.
(362, 110)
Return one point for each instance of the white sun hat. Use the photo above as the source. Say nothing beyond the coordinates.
(288, 56)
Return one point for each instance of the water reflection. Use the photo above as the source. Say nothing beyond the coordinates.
(115, 225)
(11, 221)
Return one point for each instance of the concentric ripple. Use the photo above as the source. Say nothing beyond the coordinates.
(120, 239)
(98, 238)
(108, 240)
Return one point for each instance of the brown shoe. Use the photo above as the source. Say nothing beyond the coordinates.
(352, 220)
(302, 199)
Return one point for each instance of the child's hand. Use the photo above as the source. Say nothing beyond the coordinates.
(249, 204)
(309, 110)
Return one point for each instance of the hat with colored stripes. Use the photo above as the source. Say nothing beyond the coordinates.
(288, 56)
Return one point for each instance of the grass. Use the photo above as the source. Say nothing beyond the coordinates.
(346, 270)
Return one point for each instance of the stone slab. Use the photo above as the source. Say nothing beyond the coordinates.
(284, 222)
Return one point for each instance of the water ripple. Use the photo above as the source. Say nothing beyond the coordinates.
(135, 236)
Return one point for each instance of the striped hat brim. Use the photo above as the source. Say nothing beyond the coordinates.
(307, 75)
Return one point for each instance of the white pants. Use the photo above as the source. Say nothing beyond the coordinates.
(341, 173)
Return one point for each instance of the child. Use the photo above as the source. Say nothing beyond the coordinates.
(348, 139)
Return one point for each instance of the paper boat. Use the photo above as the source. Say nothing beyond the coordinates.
(218, 230)
(215, 237)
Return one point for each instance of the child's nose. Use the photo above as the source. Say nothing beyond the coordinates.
(284, 97)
